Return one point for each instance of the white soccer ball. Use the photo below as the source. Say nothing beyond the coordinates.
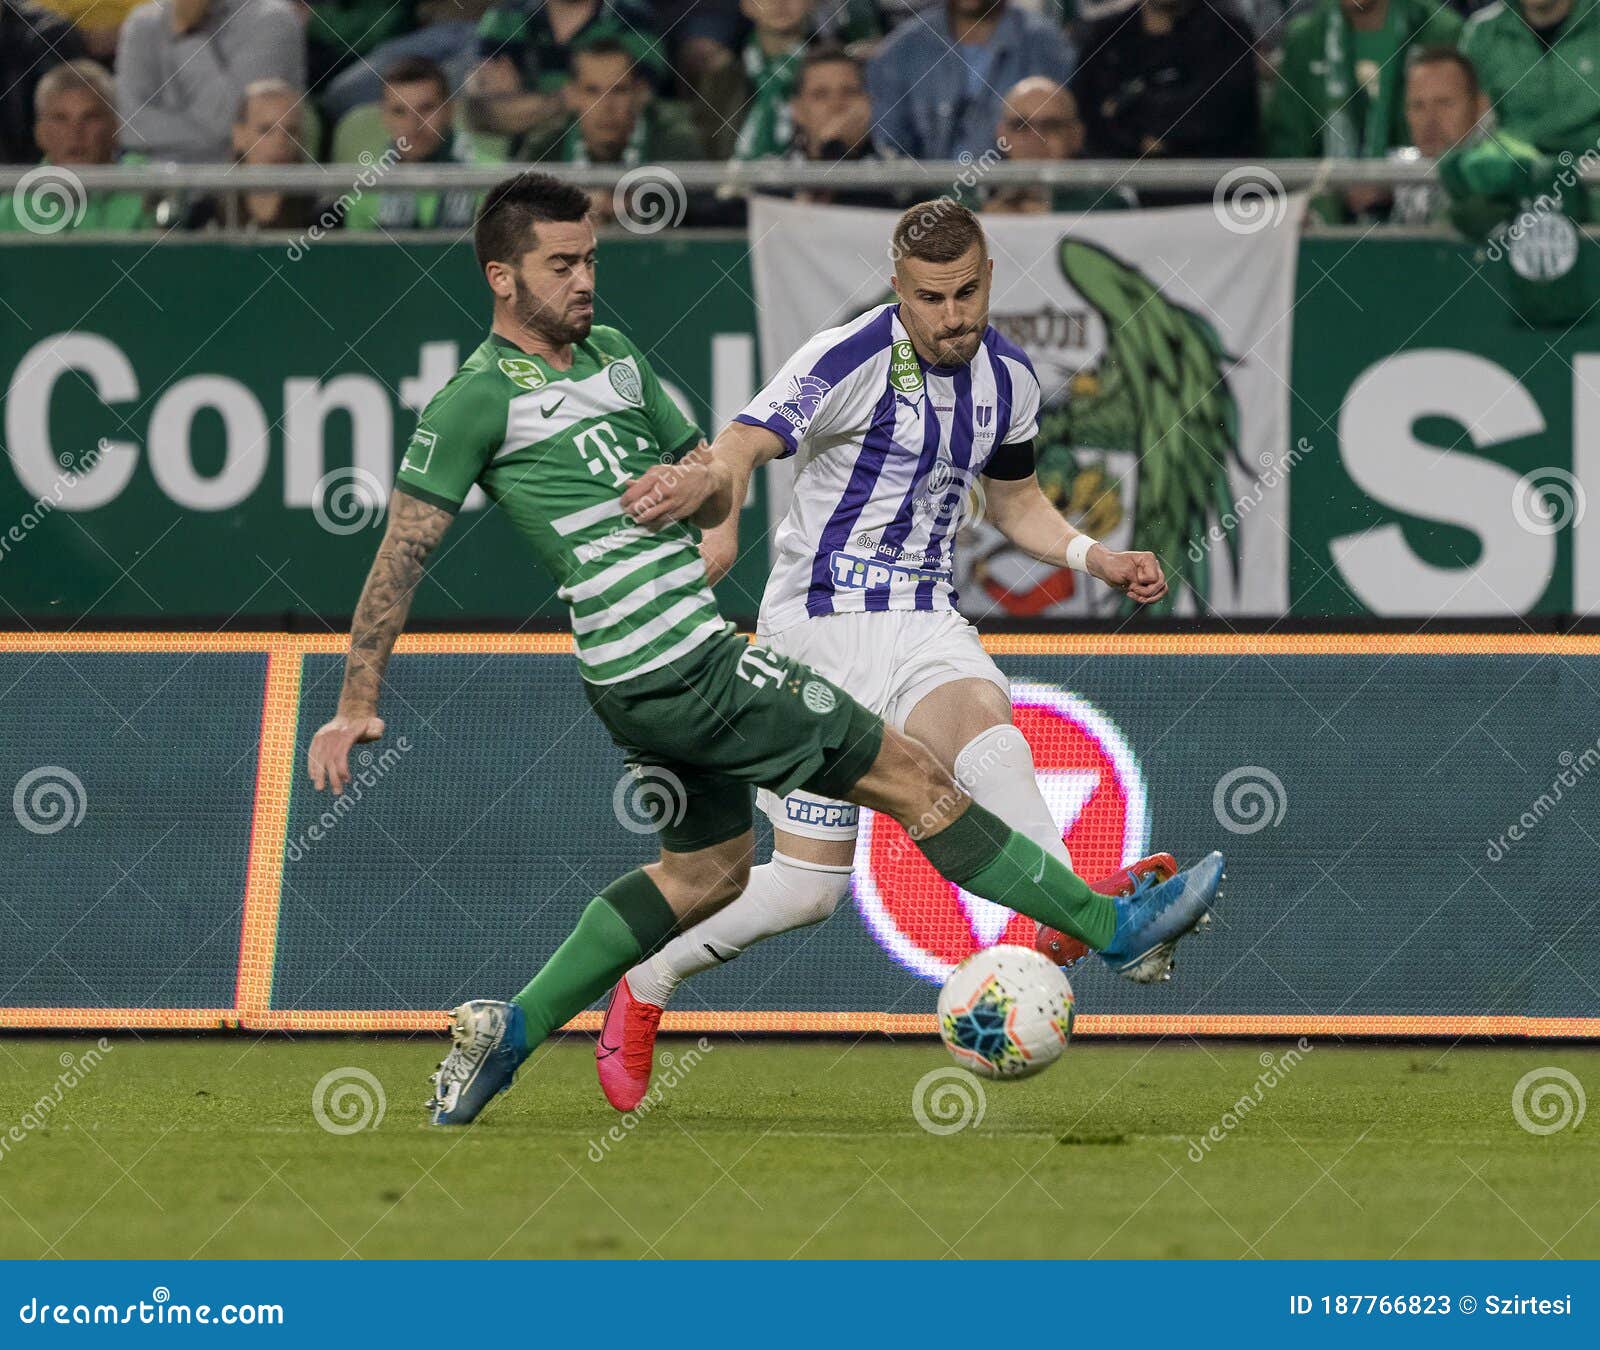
(1006, 1012)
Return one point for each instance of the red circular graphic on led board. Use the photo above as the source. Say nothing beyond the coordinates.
(1095, 788)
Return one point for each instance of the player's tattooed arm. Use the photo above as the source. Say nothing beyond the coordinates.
(414, 531)
(1020, 511)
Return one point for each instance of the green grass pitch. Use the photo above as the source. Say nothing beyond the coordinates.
(209, 1147)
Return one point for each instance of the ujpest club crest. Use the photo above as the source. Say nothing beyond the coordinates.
(1095, 788)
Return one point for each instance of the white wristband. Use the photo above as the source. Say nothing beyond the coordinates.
(1078, 552)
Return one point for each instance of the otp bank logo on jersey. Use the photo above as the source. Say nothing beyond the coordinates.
(1094, 786)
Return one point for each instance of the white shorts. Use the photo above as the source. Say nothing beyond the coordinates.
(888, 661)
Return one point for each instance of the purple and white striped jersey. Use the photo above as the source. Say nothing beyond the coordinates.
(888, 448)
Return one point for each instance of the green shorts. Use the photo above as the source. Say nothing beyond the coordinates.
(701, 734)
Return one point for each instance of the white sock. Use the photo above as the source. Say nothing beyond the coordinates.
(996, 767)
(785, 893)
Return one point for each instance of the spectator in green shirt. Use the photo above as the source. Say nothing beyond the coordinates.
(1539, 63)
(417, 114)
(1445, 107)
(1338, 89)
(1498, 190)
(757, 88)
(613, 117)
(526, 48)
(75, 125)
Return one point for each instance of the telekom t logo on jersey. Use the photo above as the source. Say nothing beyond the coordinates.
(602, 451)
(1095, 789)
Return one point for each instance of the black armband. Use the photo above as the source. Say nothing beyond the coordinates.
(1010, 462)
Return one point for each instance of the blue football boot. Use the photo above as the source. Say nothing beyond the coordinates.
(1152, 920)
(489, 1042)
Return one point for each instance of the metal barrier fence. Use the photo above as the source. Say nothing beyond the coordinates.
(753, 175)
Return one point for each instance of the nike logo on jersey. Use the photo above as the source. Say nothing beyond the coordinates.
(551, 410)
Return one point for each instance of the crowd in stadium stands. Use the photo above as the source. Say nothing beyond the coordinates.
(1502, 92)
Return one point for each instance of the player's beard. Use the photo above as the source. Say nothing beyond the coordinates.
(558, 327)
(958, 350)
(949, 351)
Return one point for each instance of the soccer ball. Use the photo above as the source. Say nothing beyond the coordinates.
(1006, 1012)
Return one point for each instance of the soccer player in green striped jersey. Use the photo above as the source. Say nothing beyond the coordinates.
(560, 422)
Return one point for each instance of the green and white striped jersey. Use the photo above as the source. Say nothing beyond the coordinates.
(554, 450)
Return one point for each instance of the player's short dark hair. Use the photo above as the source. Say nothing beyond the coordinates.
(504, 229)
(827, 53)
(1441, 55)
(415, 69)
(601, 46)
(940, 230)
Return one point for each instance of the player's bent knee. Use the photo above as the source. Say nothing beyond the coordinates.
(696, 885)
(811, 891)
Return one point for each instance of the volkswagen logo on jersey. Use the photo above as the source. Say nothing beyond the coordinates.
(1091, 778)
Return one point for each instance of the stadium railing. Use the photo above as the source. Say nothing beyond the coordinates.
(1288, 175)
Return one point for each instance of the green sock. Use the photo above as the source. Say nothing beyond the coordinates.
(985, 855)
(623, 924)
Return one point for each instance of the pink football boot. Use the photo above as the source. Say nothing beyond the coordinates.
(626, 1048)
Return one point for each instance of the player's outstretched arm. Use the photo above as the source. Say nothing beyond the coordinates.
(706, 485)
(719, 546)
(414, 531)
(1020, 511)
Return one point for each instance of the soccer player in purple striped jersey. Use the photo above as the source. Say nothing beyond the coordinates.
(893, 418)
